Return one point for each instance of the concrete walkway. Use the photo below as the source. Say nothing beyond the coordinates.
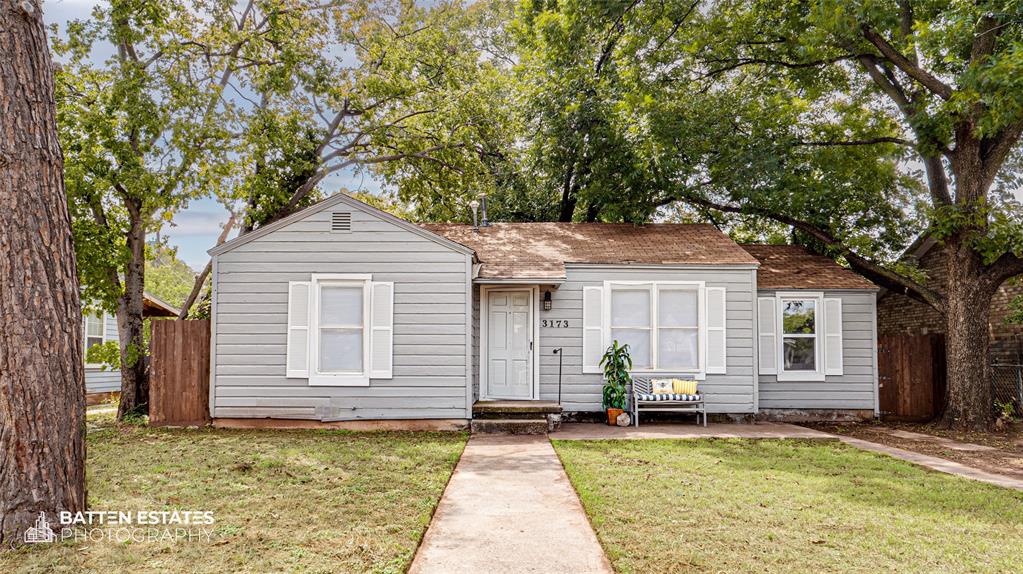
(509, 507)
(589, 431)
(935, 463)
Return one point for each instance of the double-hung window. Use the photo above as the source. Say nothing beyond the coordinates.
(340, 330)
(662, 322)
(340, 338)
(800, 347)
(96, 333)
(631, 322)
(95, 330)
(800, 336)
(678, 328)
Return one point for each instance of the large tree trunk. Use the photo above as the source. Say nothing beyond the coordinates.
(130, 323)
(42, 387)
(967, 314)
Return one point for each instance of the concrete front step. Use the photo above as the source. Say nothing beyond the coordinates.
(506, 409)
(510, 426)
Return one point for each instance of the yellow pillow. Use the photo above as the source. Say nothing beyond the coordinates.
(683, 387)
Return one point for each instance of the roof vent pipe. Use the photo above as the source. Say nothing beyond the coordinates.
(483, 206)
(475, 205)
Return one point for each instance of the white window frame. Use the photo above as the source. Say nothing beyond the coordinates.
(818, 336)
(85, 335)
(655, 287)
(333, 379)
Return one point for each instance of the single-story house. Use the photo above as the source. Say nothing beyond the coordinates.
(343, 312)
(98, 328)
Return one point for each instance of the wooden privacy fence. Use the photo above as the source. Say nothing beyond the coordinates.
(911, 376)
(179, 377)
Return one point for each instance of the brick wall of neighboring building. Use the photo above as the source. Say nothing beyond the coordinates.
(900, 314)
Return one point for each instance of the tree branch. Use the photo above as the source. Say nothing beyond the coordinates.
(732, 64)
(998, 149)
(985, 38)
(937, 181)
(1004, 268)
(870, 141)
(941, 89)
(888, 85)
(869, 269)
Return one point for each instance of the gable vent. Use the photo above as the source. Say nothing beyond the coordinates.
(341, 222)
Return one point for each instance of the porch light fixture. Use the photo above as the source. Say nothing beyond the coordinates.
(546, 300)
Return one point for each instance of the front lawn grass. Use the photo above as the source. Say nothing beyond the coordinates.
(787, 506)
(283, 501)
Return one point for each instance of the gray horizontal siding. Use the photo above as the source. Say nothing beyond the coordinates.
(100, 381)
(430, 338)
(731, 392)
(856, 387)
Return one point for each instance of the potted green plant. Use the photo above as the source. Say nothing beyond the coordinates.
(616, 363)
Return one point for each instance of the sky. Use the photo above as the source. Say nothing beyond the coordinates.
(196, 228)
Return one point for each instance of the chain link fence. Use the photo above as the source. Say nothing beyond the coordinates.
(1007, 386)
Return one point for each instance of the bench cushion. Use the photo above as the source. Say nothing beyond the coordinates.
(661, 397)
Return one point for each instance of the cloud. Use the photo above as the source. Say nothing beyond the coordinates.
(191, 224)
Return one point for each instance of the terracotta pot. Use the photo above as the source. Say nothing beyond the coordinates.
(612, 416)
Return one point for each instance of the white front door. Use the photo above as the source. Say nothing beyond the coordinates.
(509, 368)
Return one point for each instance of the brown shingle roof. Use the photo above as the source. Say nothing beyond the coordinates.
(540, 250)
(792, 267)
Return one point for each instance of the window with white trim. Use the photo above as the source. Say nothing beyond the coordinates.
(799, 340)
(340, 329)
(631, 314)
(95, 330)
(800, 336)
(662, 322)
(340, 335)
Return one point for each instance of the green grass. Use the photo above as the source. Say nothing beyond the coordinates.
(787, 506)
(284, 501)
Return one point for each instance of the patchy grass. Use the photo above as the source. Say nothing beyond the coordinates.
(284, 501)
(787, 506)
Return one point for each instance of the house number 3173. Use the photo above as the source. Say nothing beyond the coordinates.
(555, 323)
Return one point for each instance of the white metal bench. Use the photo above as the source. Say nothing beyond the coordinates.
(642, 399)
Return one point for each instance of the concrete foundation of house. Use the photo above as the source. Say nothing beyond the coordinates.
(374, 425)
(815, 415)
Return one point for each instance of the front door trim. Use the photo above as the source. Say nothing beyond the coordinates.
(534, 297)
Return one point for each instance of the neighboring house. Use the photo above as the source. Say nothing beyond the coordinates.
(100, 328)
(343, 312)
(897, 313)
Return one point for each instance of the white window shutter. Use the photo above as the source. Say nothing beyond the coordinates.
(593, 328)
(298, 330)
(716, 330)
(381, 343)
(767, 336)
(833, 336)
